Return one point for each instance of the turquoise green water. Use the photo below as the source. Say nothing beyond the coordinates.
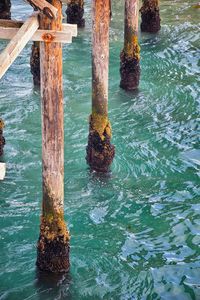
(135, 233)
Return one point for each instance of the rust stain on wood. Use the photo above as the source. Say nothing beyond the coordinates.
(48, 37)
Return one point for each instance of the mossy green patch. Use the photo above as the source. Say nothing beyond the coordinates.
(101, 125)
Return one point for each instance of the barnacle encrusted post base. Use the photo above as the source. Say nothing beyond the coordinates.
(100, 151)
(2, 140)
(53, 245)
(5, 7)
(129, 71)
(75, 12)
(150, 15)
(35, 63)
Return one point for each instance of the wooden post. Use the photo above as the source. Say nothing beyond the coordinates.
(75, 12)
(5, 7)
(150, 15)
(35, 63)
(100, 152)
(53, 243)
(2, 140)
(130, 55)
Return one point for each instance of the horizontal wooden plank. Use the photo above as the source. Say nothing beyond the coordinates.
(17, 24)
(72, 27)
(46, 8)
(18, 42)
(2, 171)
(40, 35)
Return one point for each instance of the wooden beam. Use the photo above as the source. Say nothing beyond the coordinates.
(17, 44)
(71, 27)
(46, 8)
(40, 35)
(17, 24)
(2, 171)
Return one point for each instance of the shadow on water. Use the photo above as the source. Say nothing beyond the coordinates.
(53, 286)
(99, 177)
(128, 95)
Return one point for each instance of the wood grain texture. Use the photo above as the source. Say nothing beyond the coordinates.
(52, 117)
(39, 35)
(131, 16)
(53, 243)
(100, 55)
(72, 28)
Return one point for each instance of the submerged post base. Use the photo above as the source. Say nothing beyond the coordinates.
(100, 151)
(75, 15)
(35, 63)
(53, 245)
(130, 72)
(53, 255)
(150, 19)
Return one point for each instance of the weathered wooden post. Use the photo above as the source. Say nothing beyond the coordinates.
(53, 243)
(130, 55)
(100, 152)
(150, 15)
(75, 12)
(5, 6)
(2, 140)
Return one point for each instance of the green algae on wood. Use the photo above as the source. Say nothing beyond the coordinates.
(101, 125)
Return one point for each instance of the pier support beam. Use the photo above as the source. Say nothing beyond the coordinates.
(2, 140)
(53, 243)
(75, 12)
(5, 6)
(100, 152)
(150, 15)
(130, 55)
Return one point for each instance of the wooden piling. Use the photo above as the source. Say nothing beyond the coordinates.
(130, 55)
(2, 140)
(100, 152)
(5, 6)
(35, 63)
(150, 15)
(53, 243)
(75, 12)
